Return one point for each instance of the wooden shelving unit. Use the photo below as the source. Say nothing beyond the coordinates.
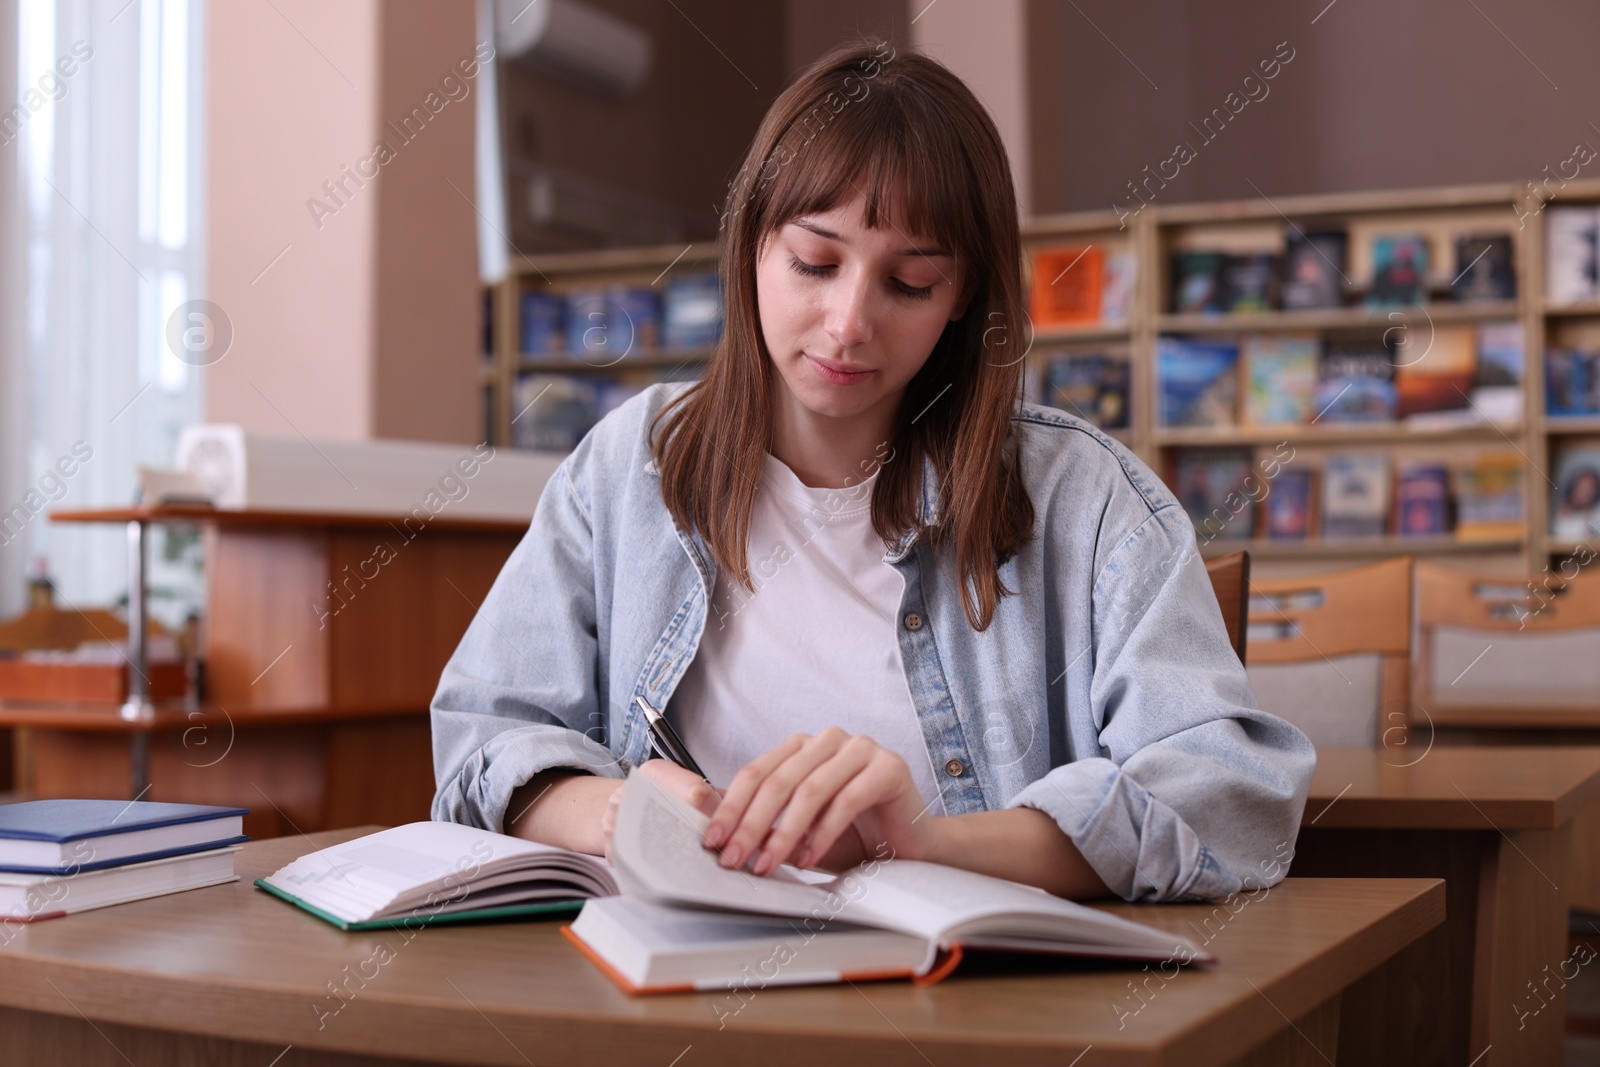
(1152, 236)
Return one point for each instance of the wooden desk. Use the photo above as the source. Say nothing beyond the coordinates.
(325, 636)
(229, 974)
(1495, 823)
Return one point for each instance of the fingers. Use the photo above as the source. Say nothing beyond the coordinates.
(682, 783)
(743, 788)
(865, 790)
(824, 788)
(608, 821)
(797, 778)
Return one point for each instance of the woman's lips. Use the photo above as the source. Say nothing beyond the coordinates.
(838, 377)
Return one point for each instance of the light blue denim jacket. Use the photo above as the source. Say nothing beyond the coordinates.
(1105, 694)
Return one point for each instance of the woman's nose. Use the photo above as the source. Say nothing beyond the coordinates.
(848, 315)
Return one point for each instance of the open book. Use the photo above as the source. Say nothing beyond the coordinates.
(683, 921)
(426, 872)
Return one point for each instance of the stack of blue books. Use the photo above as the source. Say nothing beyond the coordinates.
(63, 856)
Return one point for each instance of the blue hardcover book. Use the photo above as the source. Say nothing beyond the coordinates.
(1424, 500)
(691, 312)
(1199, 381)
(544, 323)
(588, 327)
(633, 320)
(68, 835)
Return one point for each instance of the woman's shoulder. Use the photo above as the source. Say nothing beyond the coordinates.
(1062, 453)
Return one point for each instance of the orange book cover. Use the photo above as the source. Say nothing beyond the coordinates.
(1068, 283)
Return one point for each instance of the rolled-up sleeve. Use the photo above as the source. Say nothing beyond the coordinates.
(519, 695)
(1195, 792)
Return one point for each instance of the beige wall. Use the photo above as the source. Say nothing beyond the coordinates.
(984, 44)
(364, 325)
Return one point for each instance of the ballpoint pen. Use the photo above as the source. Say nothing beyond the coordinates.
(665, 740)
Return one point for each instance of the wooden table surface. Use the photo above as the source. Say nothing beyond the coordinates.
(1452, 788)
(232, 961)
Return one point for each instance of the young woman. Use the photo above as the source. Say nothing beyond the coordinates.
(886, 605)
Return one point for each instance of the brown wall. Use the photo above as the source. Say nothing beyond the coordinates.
(1378, 96)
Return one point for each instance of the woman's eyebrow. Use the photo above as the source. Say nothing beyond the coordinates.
(927, 253)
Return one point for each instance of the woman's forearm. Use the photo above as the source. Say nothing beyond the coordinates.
(1019, 844)
(563, 807)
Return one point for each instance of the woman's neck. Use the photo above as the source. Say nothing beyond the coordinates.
(831, 452)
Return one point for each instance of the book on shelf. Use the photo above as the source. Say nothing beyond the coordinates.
(1488, 494)
(1197, 282)
(1121, 276)
(1290, 505)
(543, 322)
(1068, 285)
(1399, 270)
(1279, 375)
(1422, 500)
(1355, 380)
(588, 329)
(69, 855)
(1572, 254)
(1214, 485)
(1485, 269)
(1355, 495)
(1092, 387)
(685, 922)
(1198, 380)
(552, 412)
(691, 311)
(1497, 390)
(1571, 381)
(1441, 376)
(427, 872)
(1313, 269)
(633, 319)
(1250, 283)
(1575, 501)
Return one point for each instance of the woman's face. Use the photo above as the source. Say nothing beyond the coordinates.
(851, 314)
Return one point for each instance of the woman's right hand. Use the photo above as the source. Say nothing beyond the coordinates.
(681, 783)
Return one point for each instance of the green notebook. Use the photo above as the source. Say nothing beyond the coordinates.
(435, 872)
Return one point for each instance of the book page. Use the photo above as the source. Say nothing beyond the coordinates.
(946, 903)
(659, 856)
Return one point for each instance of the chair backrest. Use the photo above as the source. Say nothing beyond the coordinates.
(1331, 653)
(1230, 580)
(1495, 642)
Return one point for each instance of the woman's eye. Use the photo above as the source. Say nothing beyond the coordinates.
(816, 270)
(811, 270)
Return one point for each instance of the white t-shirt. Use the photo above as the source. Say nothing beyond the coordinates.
(813, 646)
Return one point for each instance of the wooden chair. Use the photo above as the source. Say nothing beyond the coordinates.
(1508, 661)
(1230, 581)
(1509, 652)
(1331, 653)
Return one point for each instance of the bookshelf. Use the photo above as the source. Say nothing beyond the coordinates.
(1553, 323)
(1150, 239)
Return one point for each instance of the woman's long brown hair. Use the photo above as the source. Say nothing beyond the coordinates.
(909, 136)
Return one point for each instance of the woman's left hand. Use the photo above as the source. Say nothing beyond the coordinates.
(831, 800)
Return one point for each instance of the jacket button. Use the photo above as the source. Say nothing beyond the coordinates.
(953, 768)
(913, 621)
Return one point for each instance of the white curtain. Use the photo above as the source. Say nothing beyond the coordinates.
(106, 210)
